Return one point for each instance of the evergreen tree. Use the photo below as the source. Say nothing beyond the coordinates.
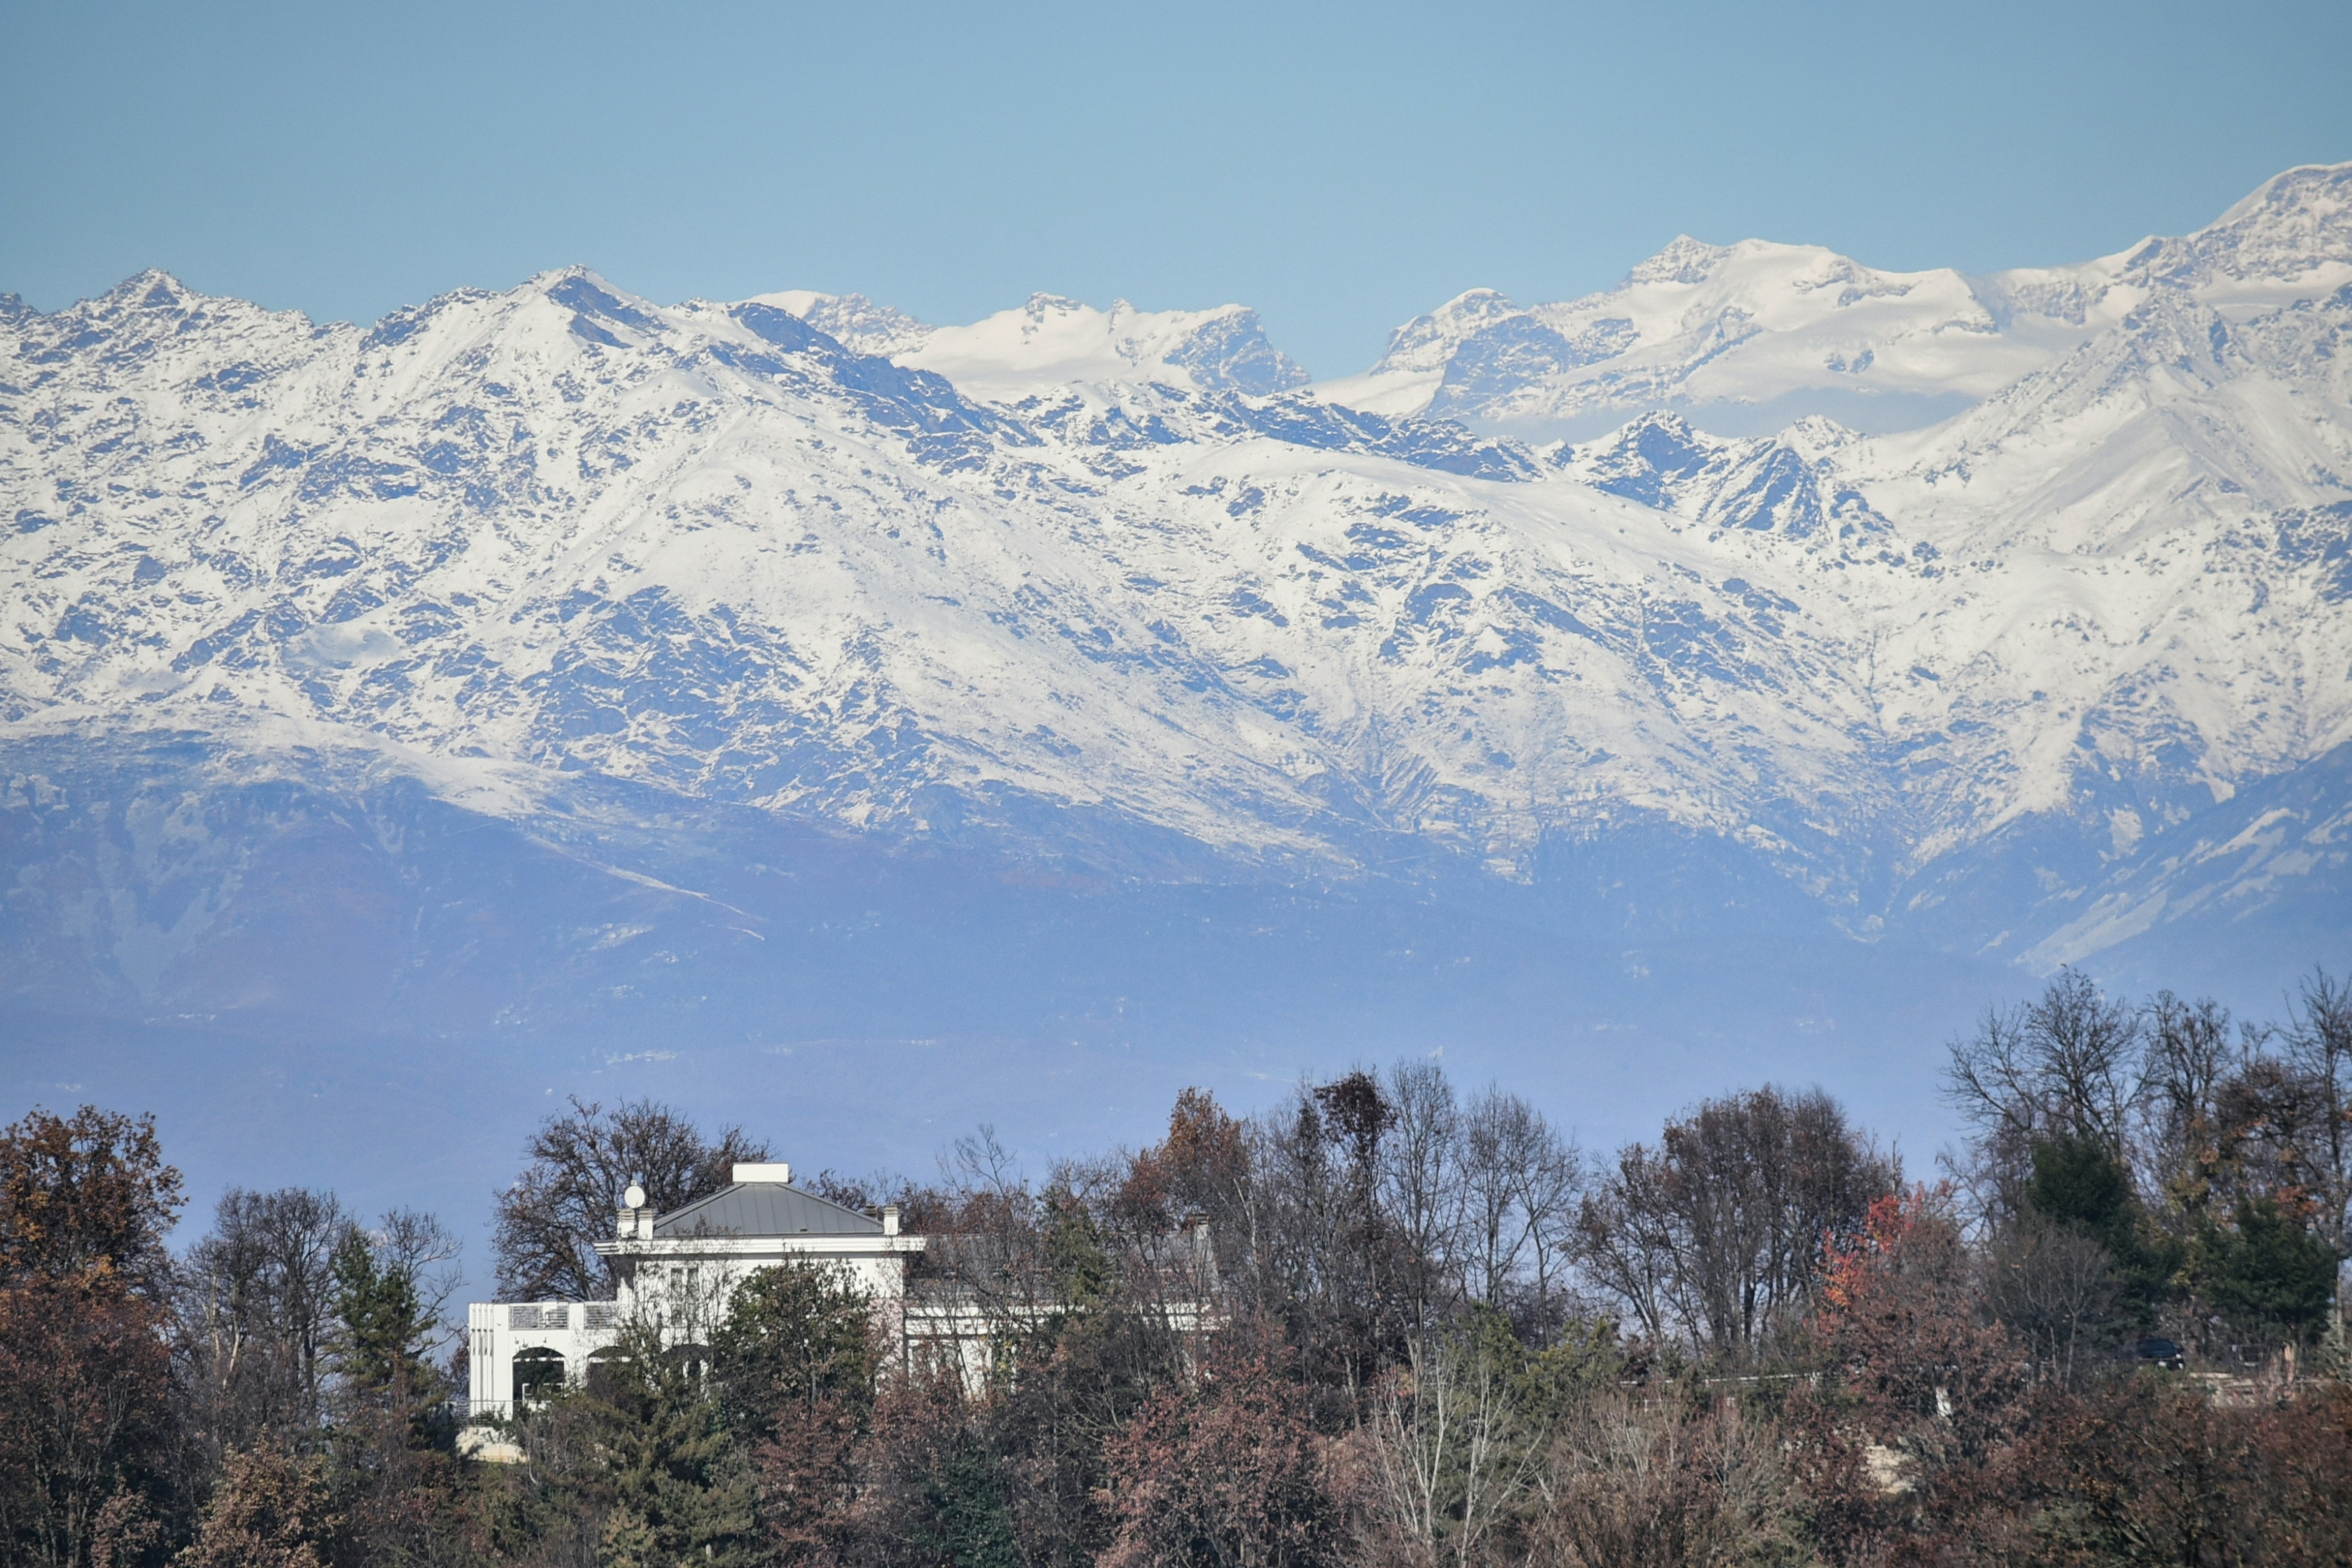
(383, 1321)
(795, 1334)
(2079, 1184)
(1075, 1259)
(2268, 1275)
(659, 1440)
(966, 1522)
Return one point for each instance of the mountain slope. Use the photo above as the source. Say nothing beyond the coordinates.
(1107, 594)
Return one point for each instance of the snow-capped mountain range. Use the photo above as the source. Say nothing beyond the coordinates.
(1872, 579)
(1745, 338)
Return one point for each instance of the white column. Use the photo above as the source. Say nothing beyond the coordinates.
(482, 1357)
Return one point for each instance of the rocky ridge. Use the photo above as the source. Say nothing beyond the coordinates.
(806, 555)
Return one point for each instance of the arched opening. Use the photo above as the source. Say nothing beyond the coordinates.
(603, 1363)
(537, 1374)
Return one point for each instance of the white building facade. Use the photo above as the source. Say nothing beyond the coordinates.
(678, 1269)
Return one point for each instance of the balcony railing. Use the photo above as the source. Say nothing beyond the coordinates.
(592, 1315)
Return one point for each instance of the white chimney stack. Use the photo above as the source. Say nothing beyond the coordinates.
(890, 1219)
(777, 1171)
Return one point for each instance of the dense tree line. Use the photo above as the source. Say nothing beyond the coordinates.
(1386, 1322)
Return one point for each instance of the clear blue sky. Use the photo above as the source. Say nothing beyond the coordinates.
(1342, 167)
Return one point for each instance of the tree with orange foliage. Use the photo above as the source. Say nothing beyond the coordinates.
(1900, 1316)
(1201, 1168)
(1920, 1394)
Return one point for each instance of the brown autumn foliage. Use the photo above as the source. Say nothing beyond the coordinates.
(85, 1382)
(812, 1478)
(84, 1411)
(85, 1195)
(269, 1509)
(1221, 1471)
(2147, 1471)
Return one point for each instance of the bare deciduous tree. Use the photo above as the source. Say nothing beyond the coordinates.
(1330, 1260)
(257, 1300)
(2189, 1058)
(2065, 1066)
(1627, 1239)
(1718, 1235)
(581, 1162)
(1421, 1178)
(2319, 1048)
(1501, 1136)
(1550, 1185)
(418, 1247)
(1455, 1447)
(2056, 1288)
(1520, 1182)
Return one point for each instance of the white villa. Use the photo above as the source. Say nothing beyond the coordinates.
(689, 1256)
(684, 1265)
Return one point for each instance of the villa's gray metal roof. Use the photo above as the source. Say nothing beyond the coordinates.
(764, 1209)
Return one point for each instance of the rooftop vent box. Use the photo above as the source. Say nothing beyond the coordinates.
(779, 1172)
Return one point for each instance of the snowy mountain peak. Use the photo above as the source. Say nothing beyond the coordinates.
(1758, 485)
(2314, 199)
(598, 309)
(1743, 339)
(1049, 342)
(1722, 332)
(2291, 237)
(153, 291)
(854, 322)
(1412, 369)
(154, 288)
(1426, 342)
(1684, 260)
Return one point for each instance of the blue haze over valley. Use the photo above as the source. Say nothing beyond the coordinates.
(863, 726)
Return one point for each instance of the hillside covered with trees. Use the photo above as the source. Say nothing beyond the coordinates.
(2107, 1331)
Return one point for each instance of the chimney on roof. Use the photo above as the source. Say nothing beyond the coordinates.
(889, 1219)
(777, 1171)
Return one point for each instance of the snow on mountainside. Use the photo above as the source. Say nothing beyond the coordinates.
(1051, 342)
(1748, 338)
(805, 554)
